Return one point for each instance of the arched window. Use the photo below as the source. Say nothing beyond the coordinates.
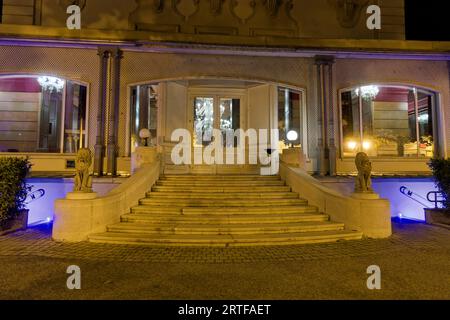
(42, 114)
(388, 121)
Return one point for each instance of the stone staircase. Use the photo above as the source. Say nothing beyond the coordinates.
(223, 210)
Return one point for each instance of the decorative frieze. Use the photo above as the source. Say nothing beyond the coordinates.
(348, 12)
(216, 6)
(226, 17)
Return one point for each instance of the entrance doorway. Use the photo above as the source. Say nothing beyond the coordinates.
(216, 109)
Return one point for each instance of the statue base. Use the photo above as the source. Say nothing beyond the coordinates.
(365, 195)
(81, 195)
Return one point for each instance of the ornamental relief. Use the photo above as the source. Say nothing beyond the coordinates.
(225, 17)
(186, 8)
(348, 12)
(243, 10)
(216, 6)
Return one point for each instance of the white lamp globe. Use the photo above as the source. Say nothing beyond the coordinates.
(144, 134)
(292, 135)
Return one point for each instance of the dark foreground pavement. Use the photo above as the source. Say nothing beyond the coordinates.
(414, 262)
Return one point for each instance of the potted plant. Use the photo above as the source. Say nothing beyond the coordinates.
(13, 192)
(441, 173)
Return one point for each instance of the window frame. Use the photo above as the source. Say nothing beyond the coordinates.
(63, 111)
(436, 118)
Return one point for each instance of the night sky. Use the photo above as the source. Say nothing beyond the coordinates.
(427, 20)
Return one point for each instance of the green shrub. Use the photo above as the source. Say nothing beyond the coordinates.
(441, 173)
(13, 188)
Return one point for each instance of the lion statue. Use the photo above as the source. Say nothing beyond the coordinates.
(83, 180)
(363, 182)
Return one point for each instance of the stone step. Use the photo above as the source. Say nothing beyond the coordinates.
(231, 183)
(218, 229)
(222, 196)
(223, 210)
(201, 189)
(223, 218)
(206, 202)
(224, 240)
(218, 178)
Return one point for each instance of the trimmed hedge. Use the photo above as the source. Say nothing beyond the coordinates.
(441, 173)
(13, 188)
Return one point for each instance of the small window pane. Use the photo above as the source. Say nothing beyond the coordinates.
(75, 118)
(203, 120)
(229, 120)
(425, 124)
(350, 123)
(144, 114)
(289, 116)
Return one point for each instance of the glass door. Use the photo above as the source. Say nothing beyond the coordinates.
(219, 112)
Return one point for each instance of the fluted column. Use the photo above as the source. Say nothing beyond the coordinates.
(99, 148)
(326, 141)
(113, 115)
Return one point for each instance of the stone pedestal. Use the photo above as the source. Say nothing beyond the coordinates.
(143, 155)
(293, 157)
(81, 195)
(365, 195)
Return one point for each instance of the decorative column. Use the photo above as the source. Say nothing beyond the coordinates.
(332, 120)
(113, 115)
(326, 144)
(99, 149)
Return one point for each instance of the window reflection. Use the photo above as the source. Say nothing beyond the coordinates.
(203, 120)
(42, 114)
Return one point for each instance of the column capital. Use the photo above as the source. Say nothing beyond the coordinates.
(103, 52)
(324, 60)
(116, 53)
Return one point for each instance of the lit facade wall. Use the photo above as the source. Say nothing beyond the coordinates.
(141, 67)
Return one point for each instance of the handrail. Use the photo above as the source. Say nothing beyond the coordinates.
(408, 193)
(438, 198)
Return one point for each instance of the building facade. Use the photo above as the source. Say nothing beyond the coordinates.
(313, 67)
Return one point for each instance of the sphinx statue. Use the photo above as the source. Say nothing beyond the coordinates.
(83, 180)
(363, 182)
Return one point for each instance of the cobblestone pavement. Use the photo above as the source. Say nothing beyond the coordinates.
(407, 235)
(414, 263)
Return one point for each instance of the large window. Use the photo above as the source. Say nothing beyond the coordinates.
(388, 121)
(42, 114)
(289, 117)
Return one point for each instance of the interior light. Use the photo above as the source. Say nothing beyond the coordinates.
(51, 83)
(368, 92)
(366, 145)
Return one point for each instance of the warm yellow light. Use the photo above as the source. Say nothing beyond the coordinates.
(351, 145)
(366, 145)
